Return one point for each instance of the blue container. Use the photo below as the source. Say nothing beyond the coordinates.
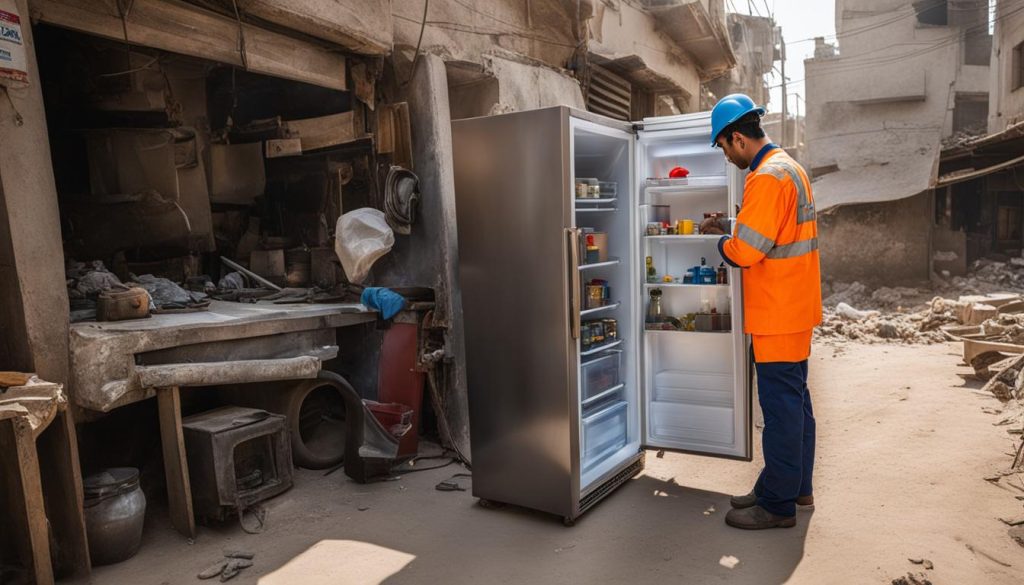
(708, 275)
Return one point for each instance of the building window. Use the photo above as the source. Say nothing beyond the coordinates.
(1017, 76)
(977, 48)
(970, 113)
(932, 12)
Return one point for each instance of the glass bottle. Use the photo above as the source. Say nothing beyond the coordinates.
(654, 311)
(652, 274)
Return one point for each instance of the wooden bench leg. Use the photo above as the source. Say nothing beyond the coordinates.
(62, 486)
(24, 487)
(179, 491)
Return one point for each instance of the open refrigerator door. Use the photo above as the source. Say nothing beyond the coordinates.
(696, 391)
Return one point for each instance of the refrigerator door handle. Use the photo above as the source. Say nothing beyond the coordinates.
(576, 286)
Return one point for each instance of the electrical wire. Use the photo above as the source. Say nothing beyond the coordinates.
(416, 56)
(953, 39)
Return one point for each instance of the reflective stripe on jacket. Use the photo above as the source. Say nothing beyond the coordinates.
(776, 241)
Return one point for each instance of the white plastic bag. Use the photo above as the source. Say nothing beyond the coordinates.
(362, 236)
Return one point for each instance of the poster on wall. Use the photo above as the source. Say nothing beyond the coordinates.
(13, 65)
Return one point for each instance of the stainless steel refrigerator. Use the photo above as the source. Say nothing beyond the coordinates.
(559, 415)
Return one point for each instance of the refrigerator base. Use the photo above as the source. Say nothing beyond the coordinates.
(610, 485)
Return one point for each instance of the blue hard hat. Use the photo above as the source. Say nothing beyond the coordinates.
(728, 110)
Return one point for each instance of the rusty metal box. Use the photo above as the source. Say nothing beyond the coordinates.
(236, 457)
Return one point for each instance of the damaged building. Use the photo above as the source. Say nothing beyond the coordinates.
(979, 209)
(215, 209)
(878, 115)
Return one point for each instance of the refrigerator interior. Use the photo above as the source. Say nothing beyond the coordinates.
(608, 394)
(695, 381)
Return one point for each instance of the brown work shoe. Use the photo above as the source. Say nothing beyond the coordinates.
(757, 518)
(748, 500)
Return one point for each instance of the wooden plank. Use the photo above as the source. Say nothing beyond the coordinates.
(362, 26)
(323, 131)
(394, 133)
(62, 486)
(278, 147)
(973, 348)
(20, 466)
(172, 25)
(8, 379)
(179, 490)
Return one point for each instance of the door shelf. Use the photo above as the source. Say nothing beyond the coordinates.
(602, 395)
(595, 209)
(600, 348)
(611, 262)
(671, 332)
(694, 238)
(579, 200)
(687, 184)
(596, 310)
(650, 285)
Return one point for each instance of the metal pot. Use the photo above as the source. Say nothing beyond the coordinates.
(115, 509)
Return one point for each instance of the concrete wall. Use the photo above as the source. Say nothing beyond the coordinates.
(868, 105)
(624, 29)
(879, 243)
(31, 258)
(465, 30)
(429, 255)
(1006, 106)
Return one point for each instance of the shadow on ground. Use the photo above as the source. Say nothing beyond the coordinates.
(649, 531)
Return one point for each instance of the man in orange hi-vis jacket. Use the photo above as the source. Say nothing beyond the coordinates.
(776, 243)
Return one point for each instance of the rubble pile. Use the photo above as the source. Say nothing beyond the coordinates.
(853, 311)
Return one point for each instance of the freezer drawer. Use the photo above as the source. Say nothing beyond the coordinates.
(604, 433)
(600, 375)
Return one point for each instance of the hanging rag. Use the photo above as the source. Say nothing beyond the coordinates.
(385, 300)
(401, 198)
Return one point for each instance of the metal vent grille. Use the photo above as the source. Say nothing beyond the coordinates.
(609, 486)
(608, 94)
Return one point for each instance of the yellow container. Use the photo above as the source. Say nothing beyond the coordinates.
(687, 228)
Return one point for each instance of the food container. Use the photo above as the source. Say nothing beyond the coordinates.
(595, 296)
(600, 240)
(611, 329)
(687, 227)
(587, 188)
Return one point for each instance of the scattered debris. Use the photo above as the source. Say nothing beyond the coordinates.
(1017, 534)
(729, 561)
(709, 511)
(982, 553)
(233, 568)
(1014, 521)
(228, 568)
(912, 579)
(564, 548)
(213, 570)
(362, 508)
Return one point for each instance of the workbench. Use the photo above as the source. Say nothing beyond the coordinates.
(122, 362)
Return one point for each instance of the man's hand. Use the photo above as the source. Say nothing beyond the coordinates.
(712, 226)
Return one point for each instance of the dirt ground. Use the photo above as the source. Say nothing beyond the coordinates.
(903, 446)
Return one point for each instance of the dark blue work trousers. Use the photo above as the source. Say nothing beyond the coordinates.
(788, 437)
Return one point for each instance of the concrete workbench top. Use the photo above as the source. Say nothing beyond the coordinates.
(104, 355)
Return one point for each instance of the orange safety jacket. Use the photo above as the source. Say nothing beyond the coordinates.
(776, 242)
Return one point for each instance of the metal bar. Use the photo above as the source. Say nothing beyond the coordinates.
(249, 273)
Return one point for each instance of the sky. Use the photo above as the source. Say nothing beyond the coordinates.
(800, 21)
